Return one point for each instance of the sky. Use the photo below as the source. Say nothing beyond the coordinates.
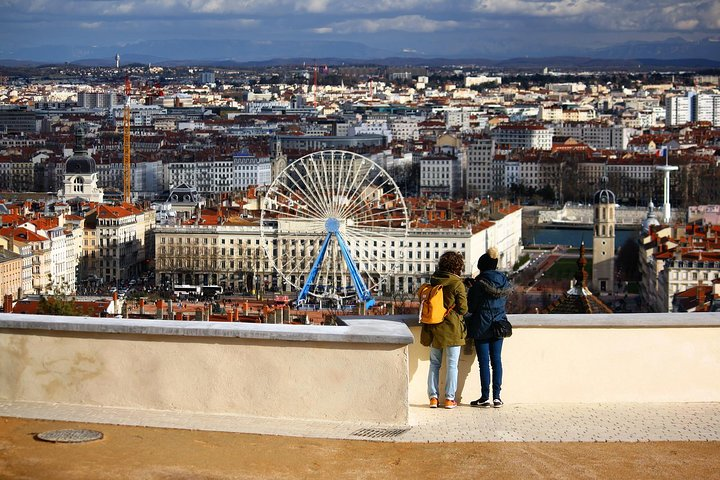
(493, 28)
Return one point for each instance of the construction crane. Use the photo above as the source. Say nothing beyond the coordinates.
(126, 143)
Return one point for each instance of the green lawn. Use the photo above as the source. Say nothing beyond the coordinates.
(565, 268)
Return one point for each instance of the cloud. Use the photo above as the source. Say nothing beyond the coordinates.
(539, 8)
(689, 24)
(403, 23)
(90, 25)
(313, 6)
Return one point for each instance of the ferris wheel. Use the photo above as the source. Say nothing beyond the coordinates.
(339, 221)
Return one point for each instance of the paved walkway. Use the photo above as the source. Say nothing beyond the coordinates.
(512, 423)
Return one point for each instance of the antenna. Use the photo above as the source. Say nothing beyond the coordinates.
(316, 86)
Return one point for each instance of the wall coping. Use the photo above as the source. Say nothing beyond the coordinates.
(367, 329)
(364, 330)
(615, 320)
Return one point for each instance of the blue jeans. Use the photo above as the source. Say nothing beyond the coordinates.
(453, 356)
(489, 354)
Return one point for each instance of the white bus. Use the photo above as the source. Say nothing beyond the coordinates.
(184, 291)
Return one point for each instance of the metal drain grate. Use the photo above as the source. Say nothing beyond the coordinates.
(379, 432)
(69, 436)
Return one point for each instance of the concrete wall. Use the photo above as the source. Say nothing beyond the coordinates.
(362, 372)
(362, 380)
(594, 359)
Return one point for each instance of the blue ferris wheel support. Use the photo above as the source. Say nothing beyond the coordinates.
(332, 226)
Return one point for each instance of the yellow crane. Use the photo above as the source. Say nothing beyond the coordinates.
(126, 143)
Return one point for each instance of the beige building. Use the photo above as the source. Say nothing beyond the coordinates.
(122, 236)
(673, 260)
(25, 252)
(232, 255)
(11, 270)
(41, 259)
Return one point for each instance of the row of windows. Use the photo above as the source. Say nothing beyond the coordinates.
(694, 276)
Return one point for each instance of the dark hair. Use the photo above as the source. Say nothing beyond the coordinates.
(452, 262)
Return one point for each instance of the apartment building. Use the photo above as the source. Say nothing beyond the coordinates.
(217, 174)
(11, 274)
(674, 260)
(440, 176)
(41, 259)
(124, 236)
(480, 154)
(707, 109)
(527, 136)
(678, 110)
(598, 136)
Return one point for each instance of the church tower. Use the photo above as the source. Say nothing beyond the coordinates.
(81, 173)
(280, 161)
(603, 273)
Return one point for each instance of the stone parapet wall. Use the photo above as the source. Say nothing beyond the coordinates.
(354, 373)
(594, 359)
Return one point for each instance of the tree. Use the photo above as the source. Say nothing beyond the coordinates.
(627, 262)
(59, 305)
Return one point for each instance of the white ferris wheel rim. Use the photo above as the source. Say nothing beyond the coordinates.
(336, 185)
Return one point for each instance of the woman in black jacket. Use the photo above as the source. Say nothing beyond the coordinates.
(486, 303)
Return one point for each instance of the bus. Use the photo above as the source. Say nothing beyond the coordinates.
(184, 291)
(211, 291)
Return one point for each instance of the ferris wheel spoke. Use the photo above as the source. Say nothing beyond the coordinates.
(353, 168)
(334, 171)
(320, 183)
(297, 214)
(361, 197)
(380, 186)
(382, 218)
(356, 183)
(317, 203)
(314, 209)
(354, 186)
(370, 216)
(344, 192)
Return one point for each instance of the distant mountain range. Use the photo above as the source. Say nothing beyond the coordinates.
(673, 52)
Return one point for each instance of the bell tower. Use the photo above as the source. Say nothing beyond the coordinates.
(603, 273)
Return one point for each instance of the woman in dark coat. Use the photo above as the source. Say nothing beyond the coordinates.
(486, 302)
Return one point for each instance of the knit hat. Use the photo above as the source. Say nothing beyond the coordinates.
(489, 260)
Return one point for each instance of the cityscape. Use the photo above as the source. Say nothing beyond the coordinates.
(216, 219)
(185, 178)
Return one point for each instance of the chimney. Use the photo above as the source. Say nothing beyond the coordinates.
(7, 304)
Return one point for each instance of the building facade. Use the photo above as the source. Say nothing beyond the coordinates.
(234, 256)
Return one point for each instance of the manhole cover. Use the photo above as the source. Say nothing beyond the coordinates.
(379, 432)
(70, 436)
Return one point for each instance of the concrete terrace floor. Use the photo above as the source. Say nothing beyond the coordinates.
(518, 441)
